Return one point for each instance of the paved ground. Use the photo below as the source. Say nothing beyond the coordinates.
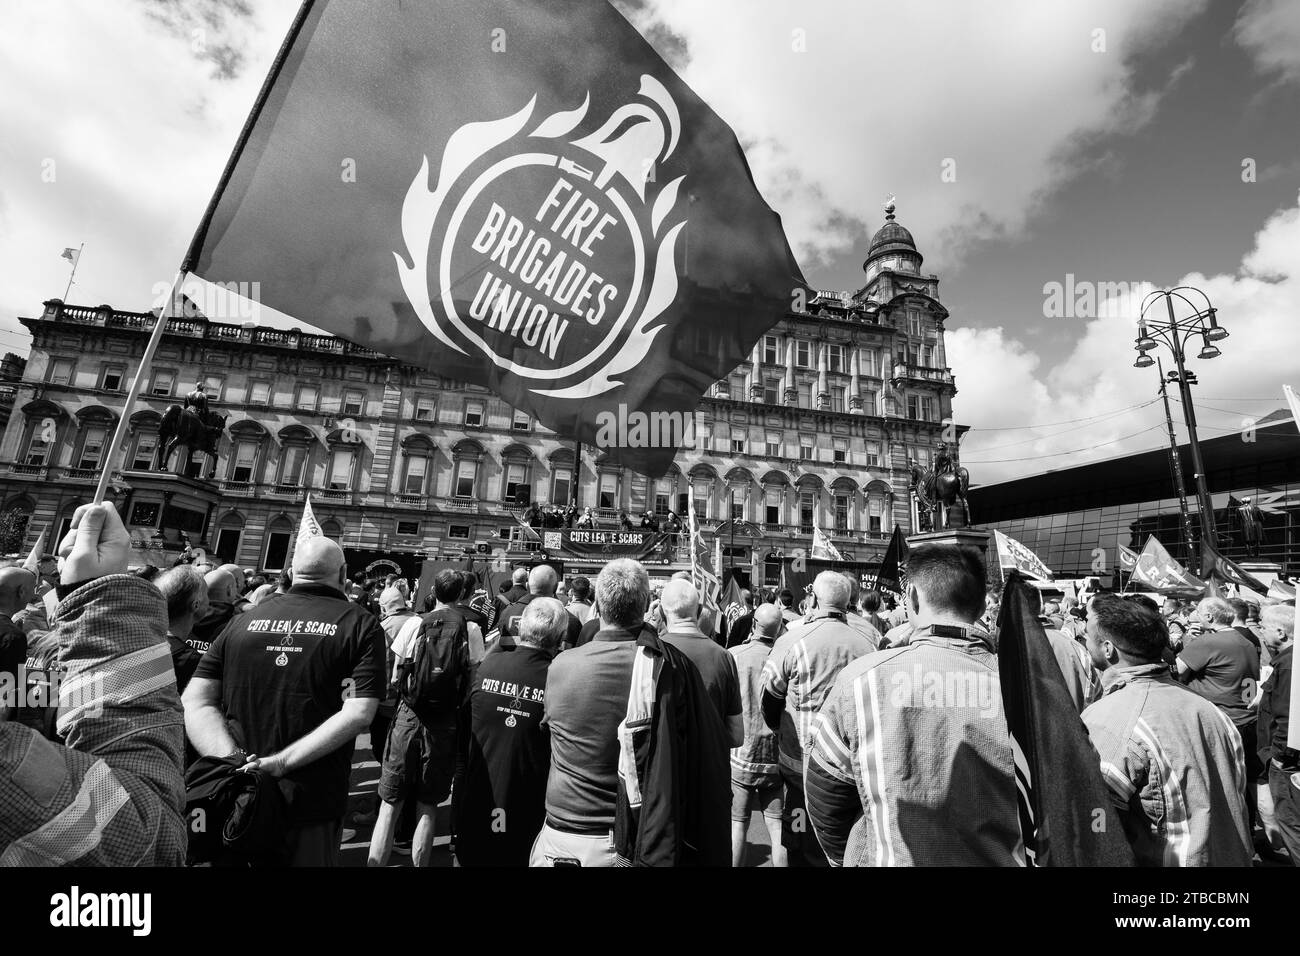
(362, 798)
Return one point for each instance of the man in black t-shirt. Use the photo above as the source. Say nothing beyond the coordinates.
(518, 588)
(289, 685)
(504, 803)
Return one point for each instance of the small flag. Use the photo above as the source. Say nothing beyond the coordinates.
(72, 255)
(1066, 816)
(1012, 555)
(731, 602)
(1157, 569)
(703, 575)
(308, 527)
(889, 577)
(567, 224)
(1128, 559)
(33, 562)
(823, 548)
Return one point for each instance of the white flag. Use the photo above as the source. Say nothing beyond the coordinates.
(822, 547)
(309, 527)
(72, 255)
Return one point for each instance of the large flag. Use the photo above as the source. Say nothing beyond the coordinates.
(890, 576)
(822, 548)
(1012, 555)
(522, 195)
(1217, 568)
(1157, 569)
(1059, 785)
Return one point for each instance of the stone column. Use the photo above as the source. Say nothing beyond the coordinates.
(855, 382)
(791, 390)
(756, 373)
(823, 381)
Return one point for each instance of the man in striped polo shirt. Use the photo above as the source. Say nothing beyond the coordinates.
(800, 671)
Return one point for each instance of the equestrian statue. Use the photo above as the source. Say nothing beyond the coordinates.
(941, 492)
(193, 427)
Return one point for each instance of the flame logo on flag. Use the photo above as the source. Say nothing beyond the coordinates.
(546, 250)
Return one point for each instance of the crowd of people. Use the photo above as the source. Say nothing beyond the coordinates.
(608, 722)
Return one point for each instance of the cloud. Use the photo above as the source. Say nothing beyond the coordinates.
(1002, 382)
(1269, 30)
(885, 94)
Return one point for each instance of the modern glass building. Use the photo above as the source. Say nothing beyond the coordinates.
(1064, 516)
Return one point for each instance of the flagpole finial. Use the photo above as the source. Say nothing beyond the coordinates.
(890, 206)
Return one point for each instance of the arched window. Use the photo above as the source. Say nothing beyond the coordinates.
(144, 440)
(247, 452)
(332, 529)
(39, 449)
(517, 475)
(809, 488)
(278, 534)
(562, 482)
(16, 520)
(295, 456)
(95, 425)
(230, 529)
(844, 496)
(878, 495)
(467, 456)
(775, 485)
(417, 465)
(344, 456)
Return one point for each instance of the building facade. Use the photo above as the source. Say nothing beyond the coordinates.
(817, 428)
(1076, 516)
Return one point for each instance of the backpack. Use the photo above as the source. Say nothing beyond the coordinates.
(434, 672)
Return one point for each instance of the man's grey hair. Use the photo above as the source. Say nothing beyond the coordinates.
(520, 577)
(180, 586)
(623, 593)
(1216, 611)
(832, 591)
(1280, 616)
(680, 600)
(542, 580)
(544, 624)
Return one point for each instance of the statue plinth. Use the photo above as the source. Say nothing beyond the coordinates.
(969, 537)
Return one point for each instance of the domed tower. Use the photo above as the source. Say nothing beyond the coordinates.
(892, 248)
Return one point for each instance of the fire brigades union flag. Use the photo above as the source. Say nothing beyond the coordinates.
(518, 194)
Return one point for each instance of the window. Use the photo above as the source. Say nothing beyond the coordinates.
(424, 409)
(466, 473)
(869, 403)
(806, 445)
(738, 388)
(521, 421)
(773, 445)
(516, 481)
(873, 454)
(721, 437)
(408, 528)
(841, 453)
(913, 322)
(92, 447)
(837, 399)
(608, 489)
(927, 356)
(737, 445)
(473, 415)
(700, 497)
(41, 442)
(214, 386)
(292, 460)
(243, 460)
(924, 456)
(306, 398)
(835, 358)
(354, 402)
(927, 408)
(458, 531)
(110, 380)
(913, 406)
(277, 550)
(803, 353)
(662, 506)
(61, 372)
(228, 544)
(772, 391)
(841, 513)
(805, 394)
(773, 508)
(807, 511)
(259, 393)
(163, 382)
(737, 504)
(144, 512)
(146, 449)
(417, 466)
(340, 471)
(868, 362)
(561, 483)
(771, 350)
(874, 507)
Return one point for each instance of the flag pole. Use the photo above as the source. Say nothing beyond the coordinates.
(75, 263)
(115, 451)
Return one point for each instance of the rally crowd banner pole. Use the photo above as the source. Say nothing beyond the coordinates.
(115, 450)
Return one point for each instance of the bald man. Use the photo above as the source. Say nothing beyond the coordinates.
(17, 586)
(797, 678)
(223, 591)
(680, 603)
(518, 588)
(755, 772)
(542, 582)
(288, 686)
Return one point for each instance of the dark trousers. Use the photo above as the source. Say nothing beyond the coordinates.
(1286, 809)
(797, 835)
(313, 844)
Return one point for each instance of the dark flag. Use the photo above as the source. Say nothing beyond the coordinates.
(513, 193)
(890, 575)
(1216, 569)
(731, 603)
(1066, 816)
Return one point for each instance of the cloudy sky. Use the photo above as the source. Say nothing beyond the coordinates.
(1025, 142)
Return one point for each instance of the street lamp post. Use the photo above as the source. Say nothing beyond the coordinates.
(1175, 335)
